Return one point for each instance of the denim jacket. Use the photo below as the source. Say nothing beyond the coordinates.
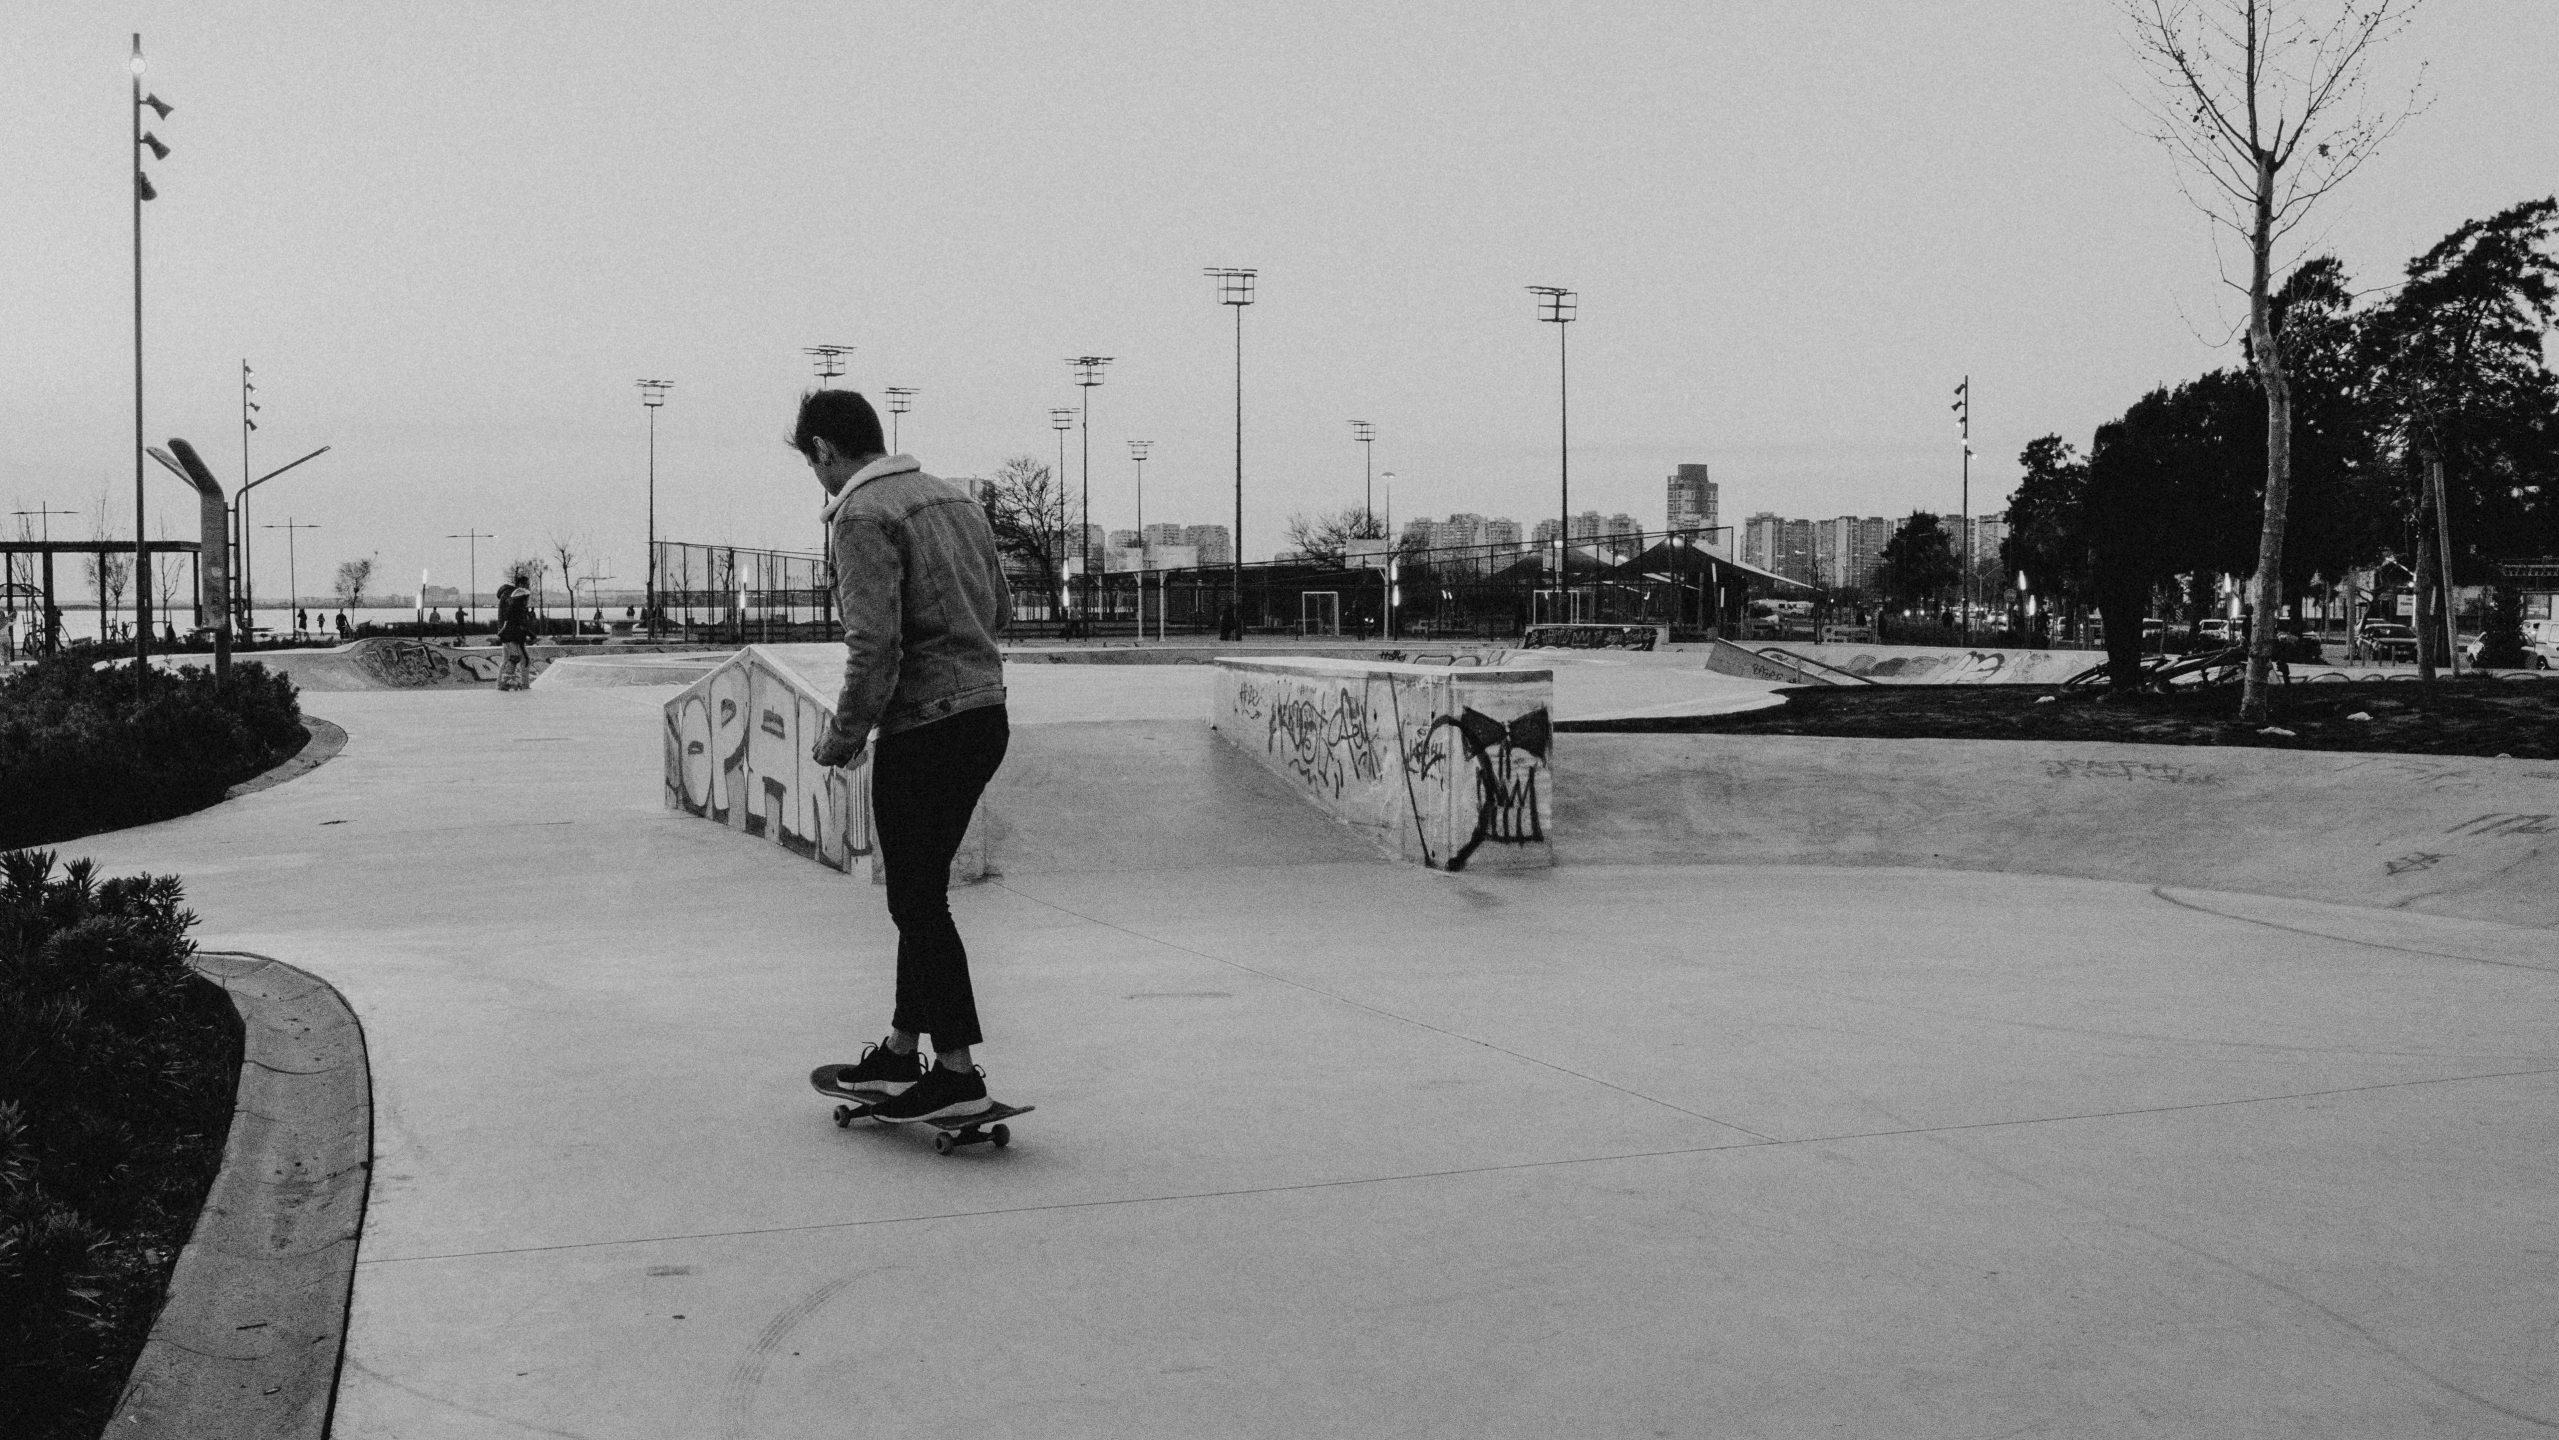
(922, 596)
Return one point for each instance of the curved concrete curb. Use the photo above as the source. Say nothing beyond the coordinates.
(325, 741)
(249, 1340)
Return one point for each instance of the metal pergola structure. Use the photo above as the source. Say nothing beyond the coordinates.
(30, 574)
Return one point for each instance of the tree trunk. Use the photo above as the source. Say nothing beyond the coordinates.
(2421, 613)
(2267, 587)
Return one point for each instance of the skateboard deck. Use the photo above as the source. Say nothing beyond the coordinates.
(986, 1127)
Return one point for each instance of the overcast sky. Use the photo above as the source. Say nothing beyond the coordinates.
(450, 237)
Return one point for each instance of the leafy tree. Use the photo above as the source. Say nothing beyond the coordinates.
(353, 577)
(2501, 637)
(2463, 377)
(1918, 565)
(2048, 537)
(1026, 510)
(2261, 104)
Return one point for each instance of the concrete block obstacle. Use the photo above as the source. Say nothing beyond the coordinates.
(1448, 767)
(737, 754)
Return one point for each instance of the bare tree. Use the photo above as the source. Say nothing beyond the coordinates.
(537, 569)
(109, 570)
(568, 549)
(1022, 505)
(1327, 536)
(2262, 103)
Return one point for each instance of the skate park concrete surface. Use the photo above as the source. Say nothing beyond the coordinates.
(1758, 1126)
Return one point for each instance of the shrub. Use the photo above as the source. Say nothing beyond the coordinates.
(81, 753)
(118, 1069)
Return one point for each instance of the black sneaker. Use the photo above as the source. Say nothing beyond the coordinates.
(943, 1094)
(880, 1073)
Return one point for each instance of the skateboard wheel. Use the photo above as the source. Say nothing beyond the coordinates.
(1002, 1135)
(843, 1117)
(943, 1144)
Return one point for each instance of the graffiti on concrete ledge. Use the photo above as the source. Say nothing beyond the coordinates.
(1509, 756)
(1590, 637)
(1326, 739)
(737, 753)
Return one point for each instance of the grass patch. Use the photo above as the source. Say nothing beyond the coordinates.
(2464, 717)
(81, 753)
(118, 1071)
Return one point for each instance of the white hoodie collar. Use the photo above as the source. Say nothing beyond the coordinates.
(885, 465)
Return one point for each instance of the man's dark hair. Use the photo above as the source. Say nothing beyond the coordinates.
(843, 419)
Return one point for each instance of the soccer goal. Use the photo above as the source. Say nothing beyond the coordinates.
(1319, 612)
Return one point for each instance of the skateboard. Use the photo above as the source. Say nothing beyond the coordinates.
(986, 1127)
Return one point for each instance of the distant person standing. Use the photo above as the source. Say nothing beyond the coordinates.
(515, 627)
(922, 596)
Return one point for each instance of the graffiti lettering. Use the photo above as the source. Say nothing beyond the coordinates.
(2157, 772)
(2504, 824)
(1590, 637)
(1326, 744)
(2415, 860)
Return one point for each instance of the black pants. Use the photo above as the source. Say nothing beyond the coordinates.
(924, 784)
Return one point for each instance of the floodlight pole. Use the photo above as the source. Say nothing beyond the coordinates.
(901, 400)
(1137, 451)
(1964, 431)
(1235, 287)
(292, 570)
(142, 191)
(653, 395)
(1088, 373)
(828, 360)
(1556, 306)
(475, 536)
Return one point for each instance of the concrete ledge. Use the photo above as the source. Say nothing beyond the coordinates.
(2447, 835)
(248, 1342)
(1795, 662)
(323, 745)
(1449, 767)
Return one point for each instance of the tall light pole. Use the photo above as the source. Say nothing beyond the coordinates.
(475, 536)
(1060, 420)
(240, 517)
(1137, 451)
(247, 602)
(1390, 505)
(1235, 287)
(292, 571)
(1963, 408)
(653, 395)
(1088, 373)
(1556, 307)
(141, 191)
(828, 360)
(901, 400)
(1366, 435)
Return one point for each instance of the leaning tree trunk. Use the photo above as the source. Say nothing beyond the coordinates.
(2422, 616)
(2267, 589)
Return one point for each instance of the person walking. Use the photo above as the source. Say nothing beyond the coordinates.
(922, 596)
(515, 627)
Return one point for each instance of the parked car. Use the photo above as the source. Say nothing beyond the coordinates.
(2224, 632)
(2387, 640)
(2537, 654)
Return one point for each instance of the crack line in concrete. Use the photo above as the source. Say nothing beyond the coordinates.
(1450, 1174)
(1387, 1014)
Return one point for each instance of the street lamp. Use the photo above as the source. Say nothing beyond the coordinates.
(1137, 450)
(468, 596)
(1556, 307)
(141, 191)
(1235, 287)
(1088, 373)
(292, 571)
(1366, 435)
(1060, 420)
(653, 395)
(901, 400)
(240, 526)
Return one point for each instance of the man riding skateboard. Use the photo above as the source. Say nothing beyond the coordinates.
(922, 596)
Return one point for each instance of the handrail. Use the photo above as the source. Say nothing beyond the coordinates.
(1806, 662)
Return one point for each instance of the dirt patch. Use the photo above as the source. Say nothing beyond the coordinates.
(2466, 717)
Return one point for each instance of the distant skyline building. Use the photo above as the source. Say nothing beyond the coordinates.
(1693, 499)
(1215, 543)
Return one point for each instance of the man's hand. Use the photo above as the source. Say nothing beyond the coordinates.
(835, 750)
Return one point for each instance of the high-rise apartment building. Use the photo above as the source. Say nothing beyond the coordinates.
(1617, 526)
(1214, 542)
(1161, 534)
(1502, 534)
(1846, 548)
(1692, 499)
